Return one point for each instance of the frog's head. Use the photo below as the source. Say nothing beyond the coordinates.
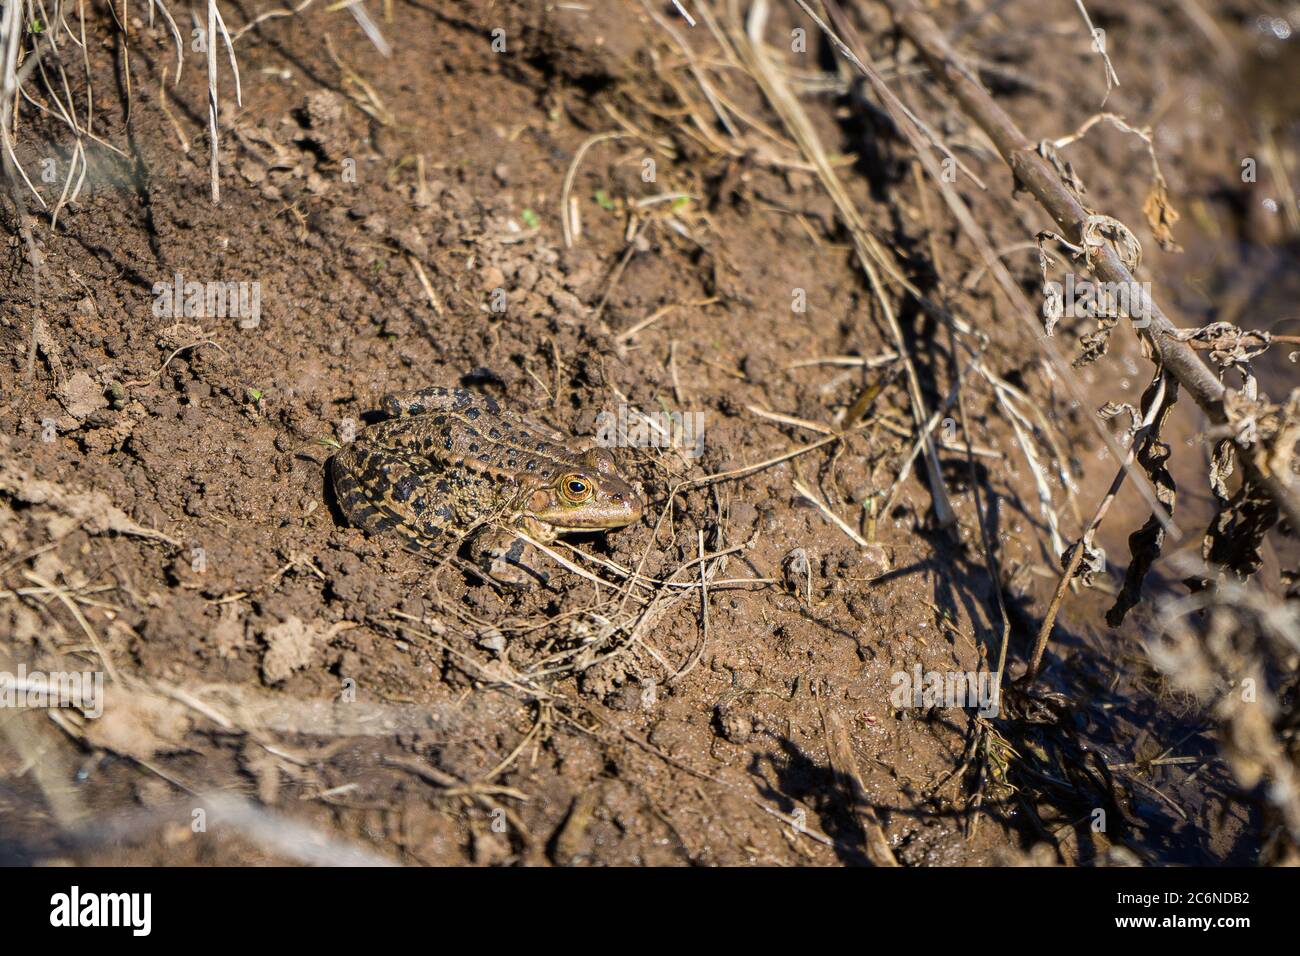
(590, 495)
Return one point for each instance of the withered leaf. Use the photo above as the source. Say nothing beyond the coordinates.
(1095, 343)
(1233, 538)
(1161, 216)
(1152, 454)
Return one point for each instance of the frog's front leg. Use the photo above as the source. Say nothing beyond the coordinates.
(507, 558)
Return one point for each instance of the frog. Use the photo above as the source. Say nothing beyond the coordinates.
(449, 466)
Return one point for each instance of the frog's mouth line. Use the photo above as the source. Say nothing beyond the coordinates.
(576, 529)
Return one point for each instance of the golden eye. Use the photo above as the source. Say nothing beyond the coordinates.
(575, 489)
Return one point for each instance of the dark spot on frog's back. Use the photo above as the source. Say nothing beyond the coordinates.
(405, 486)
(473, 413)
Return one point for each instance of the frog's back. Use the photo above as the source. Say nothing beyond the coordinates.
(468, 431)
(445, 461)
(448, 460)
(378, 491)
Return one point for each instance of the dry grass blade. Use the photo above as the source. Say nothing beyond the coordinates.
(1024, 438)
(12, 78)
(698, 73)
(839, 750)
(1099, 44)
(925, 434)
(751, 48)
(171, 25)
(568, 218)
(364, 95)
(62, 595)
(790, 420)
(369, 27)
(831, 516)
(1084, 543)
(848, 361)
(762, 465)
(272, 15)
(214, 141)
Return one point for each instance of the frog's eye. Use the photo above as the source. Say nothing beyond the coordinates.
(575, 489)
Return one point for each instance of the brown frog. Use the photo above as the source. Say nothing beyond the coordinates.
(451, 464)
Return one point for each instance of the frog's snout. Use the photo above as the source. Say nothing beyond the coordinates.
(630, 503)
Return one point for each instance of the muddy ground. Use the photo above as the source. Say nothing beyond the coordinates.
(282, 688)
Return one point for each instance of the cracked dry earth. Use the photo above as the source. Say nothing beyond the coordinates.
(165, 514)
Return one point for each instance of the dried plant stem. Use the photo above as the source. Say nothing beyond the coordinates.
(62, 595)
(1085, 540)
(270, 15)
(825, 509)
(926, 432)
(566, 211)
(869, 253)
(213, 130)
(1099, 44)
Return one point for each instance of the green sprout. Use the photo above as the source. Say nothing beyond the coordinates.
(531, 219)
(603, 200)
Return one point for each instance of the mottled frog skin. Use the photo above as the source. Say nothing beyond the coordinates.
(448, 461)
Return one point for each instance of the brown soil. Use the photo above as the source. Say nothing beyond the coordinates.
(268, 663)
